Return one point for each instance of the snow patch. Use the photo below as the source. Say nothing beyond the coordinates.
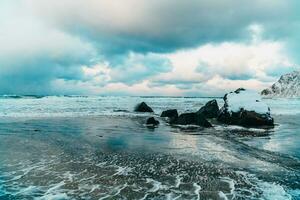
(287, 86)
(246, 100)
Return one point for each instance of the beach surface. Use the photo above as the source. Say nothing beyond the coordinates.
(82, 147)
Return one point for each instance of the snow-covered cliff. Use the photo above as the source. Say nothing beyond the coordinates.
(287, 86)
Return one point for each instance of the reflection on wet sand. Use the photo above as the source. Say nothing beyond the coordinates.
(119, 157)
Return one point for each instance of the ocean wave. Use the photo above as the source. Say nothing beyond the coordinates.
(21, 96)
(59, 106)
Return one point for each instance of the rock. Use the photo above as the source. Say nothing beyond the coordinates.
(121, 110)
(237, 91)
(172, 114)
(251, 118)
(287, 86)
(142, 107)
(192, 119)
(267, 92)
(245, 108)
(210, 110)
(152, 121)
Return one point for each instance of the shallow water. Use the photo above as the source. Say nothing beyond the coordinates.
(96, 148)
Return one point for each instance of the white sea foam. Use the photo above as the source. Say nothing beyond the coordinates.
(230, 183)
(178, 181)
(60, 196)
(144, 197)
(172, 196)
(116, 191)
(105, 197)
(170, 190)
(120, 188)
(274, 191)
(156, 185)
(28, 190)
(55, 187)
(69, 176)
(222, 196)
(239, 128)
(123, 171)
(101, 164)
(197, 190)
(269, 191)
(95, 187)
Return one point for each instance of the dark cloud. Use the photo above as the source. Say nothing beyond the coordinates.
(159, 25)
(32, 56)
(135, 68)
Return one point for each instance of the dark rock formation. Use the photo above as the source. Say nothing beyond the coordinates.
(142, 107)
(152, 121)
(246, 118)
(171, 114)
(267, 92)
(192, 119)
(245, 108)
(251, 118)
(210, 110)
(237, 91)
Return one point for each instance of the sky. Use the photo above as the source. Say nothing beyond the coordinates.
(146, 47)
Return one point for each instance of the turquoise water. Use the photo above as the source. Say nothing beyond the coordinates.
(97, 148)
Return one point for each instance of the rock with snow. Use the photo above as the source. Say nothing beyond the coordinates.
(245, 108)
(287, 86)
(210, 109)
(142, 107)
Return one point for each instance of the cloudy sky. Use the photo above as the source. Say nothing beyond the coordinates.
(146, 47)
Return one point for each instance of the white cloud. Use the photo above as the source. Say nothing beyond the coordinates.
(210, 69)
(236, 62)
(33, 54)
(98, 74)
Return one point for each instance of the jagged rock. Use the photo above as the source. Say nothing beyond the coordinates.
(192, 119)
(245, 108)
(251, 118)
(210, 110)
(287, 86)
(142, 107)
(172, 114)
(152, 121)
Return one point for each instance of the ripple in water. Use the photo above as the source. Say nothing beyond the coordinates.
(130, 176)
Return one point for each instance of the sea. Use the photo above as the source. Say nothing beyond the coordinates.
(96, 147)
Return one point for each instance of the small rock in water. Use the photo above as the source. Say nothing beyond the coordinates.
(120, 110)
(152, 121)
(192, 119)
(245, 108)
(210, 110)
(142, 107)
